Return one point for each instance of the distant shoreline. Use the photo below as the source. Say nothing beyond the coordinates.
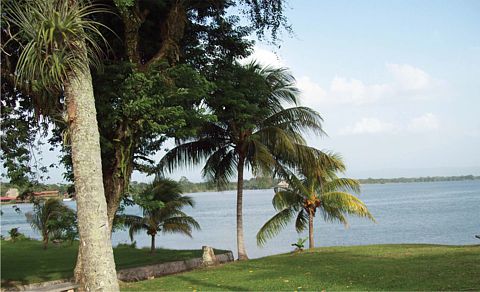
(203, 186)
(418, 179)
(265, 183)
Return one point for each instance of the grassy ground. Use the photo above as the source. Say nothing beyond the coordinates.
(375, 267)
(27, 262)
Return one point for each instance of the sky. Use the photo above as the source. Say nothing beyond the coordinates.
(397, 83)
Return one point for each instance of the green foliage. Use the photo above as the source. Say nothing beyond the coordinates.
(144, 108)
(15, 234)
(162, 205)
(300, 244)
(53, 220)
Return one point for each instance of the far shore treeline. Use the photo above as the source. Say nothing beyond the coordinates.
(257, 183)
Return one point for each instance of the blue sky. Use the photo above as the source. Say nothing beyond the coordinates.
(397, 83)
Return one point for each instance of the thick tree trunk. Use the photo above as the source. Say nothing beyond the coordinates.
(132, 20)
(97, 263)
(311, 243)
(152, 246)
(242, 253)
(118, 170)
(78, 271)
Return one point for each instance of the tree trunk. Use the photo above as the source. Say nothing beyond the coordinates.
(311, 243)
(97, 262)
(118, 171)
(45, 242)
(242, 253)
(152, 246)
(115, 184)
(78, 271)
(132, 20)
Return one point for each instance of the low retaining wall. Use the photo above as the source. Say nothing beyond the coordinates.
(153, 271)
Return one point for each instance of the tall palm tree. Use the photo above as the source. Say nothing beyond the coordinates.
(45, 216)
(162, 205)
(321, 190)
(253, 130)
(58, 40)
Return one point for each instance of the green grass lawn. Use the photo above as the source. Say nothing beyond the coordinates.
(375, 267)
(27, 262)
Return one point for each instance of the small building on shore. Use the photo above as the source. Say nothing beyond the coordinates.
(283, 185)
(10, 195)
(46, 194)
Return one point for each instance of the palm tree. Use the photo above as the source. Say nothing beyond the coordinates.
(253, 130)
(46, 215)
(322, 191)
(57, 41)
(162, 205)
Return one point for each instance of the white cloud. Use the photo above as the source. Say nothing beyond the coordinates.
(264, 57)
(368, 126)
(426, 122)
(409, 78)
(357, 92)
(406, 81)
(313, 94)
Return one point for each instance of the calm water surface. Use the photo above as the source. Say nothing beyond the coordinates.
(440, 212)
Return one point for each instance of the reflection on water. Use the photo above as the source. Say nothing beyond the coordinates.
(440, 212)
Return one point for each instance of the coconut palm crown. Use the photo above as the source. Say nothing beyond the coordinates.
(161, 204)
(254, 129)
(320, 191)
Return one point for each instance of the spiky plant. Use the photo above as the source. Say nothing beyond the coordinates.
(57, 38)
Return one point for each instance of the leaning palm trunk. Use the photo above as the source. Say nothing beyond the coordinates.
(97, 265)
(242, 253)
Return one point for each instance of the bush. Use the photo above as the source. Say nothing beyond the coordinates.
(16, 235)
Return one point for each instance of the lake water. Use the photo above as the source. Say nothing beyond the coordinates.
(439, 212)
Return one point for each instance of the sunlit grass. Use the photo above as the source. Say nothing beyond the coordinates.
(375, 267)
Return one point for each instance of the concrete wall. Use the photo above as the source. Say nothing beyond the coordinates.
(153, 271)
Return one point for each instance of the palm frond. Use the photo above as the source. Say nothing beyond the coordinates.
(342, 184)
(296, 120)
(301, 222)
(345, 203)
(221, 166)
(184, 225)
(274, 225)
(285, 199)
(187, 155)
(135, 224)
